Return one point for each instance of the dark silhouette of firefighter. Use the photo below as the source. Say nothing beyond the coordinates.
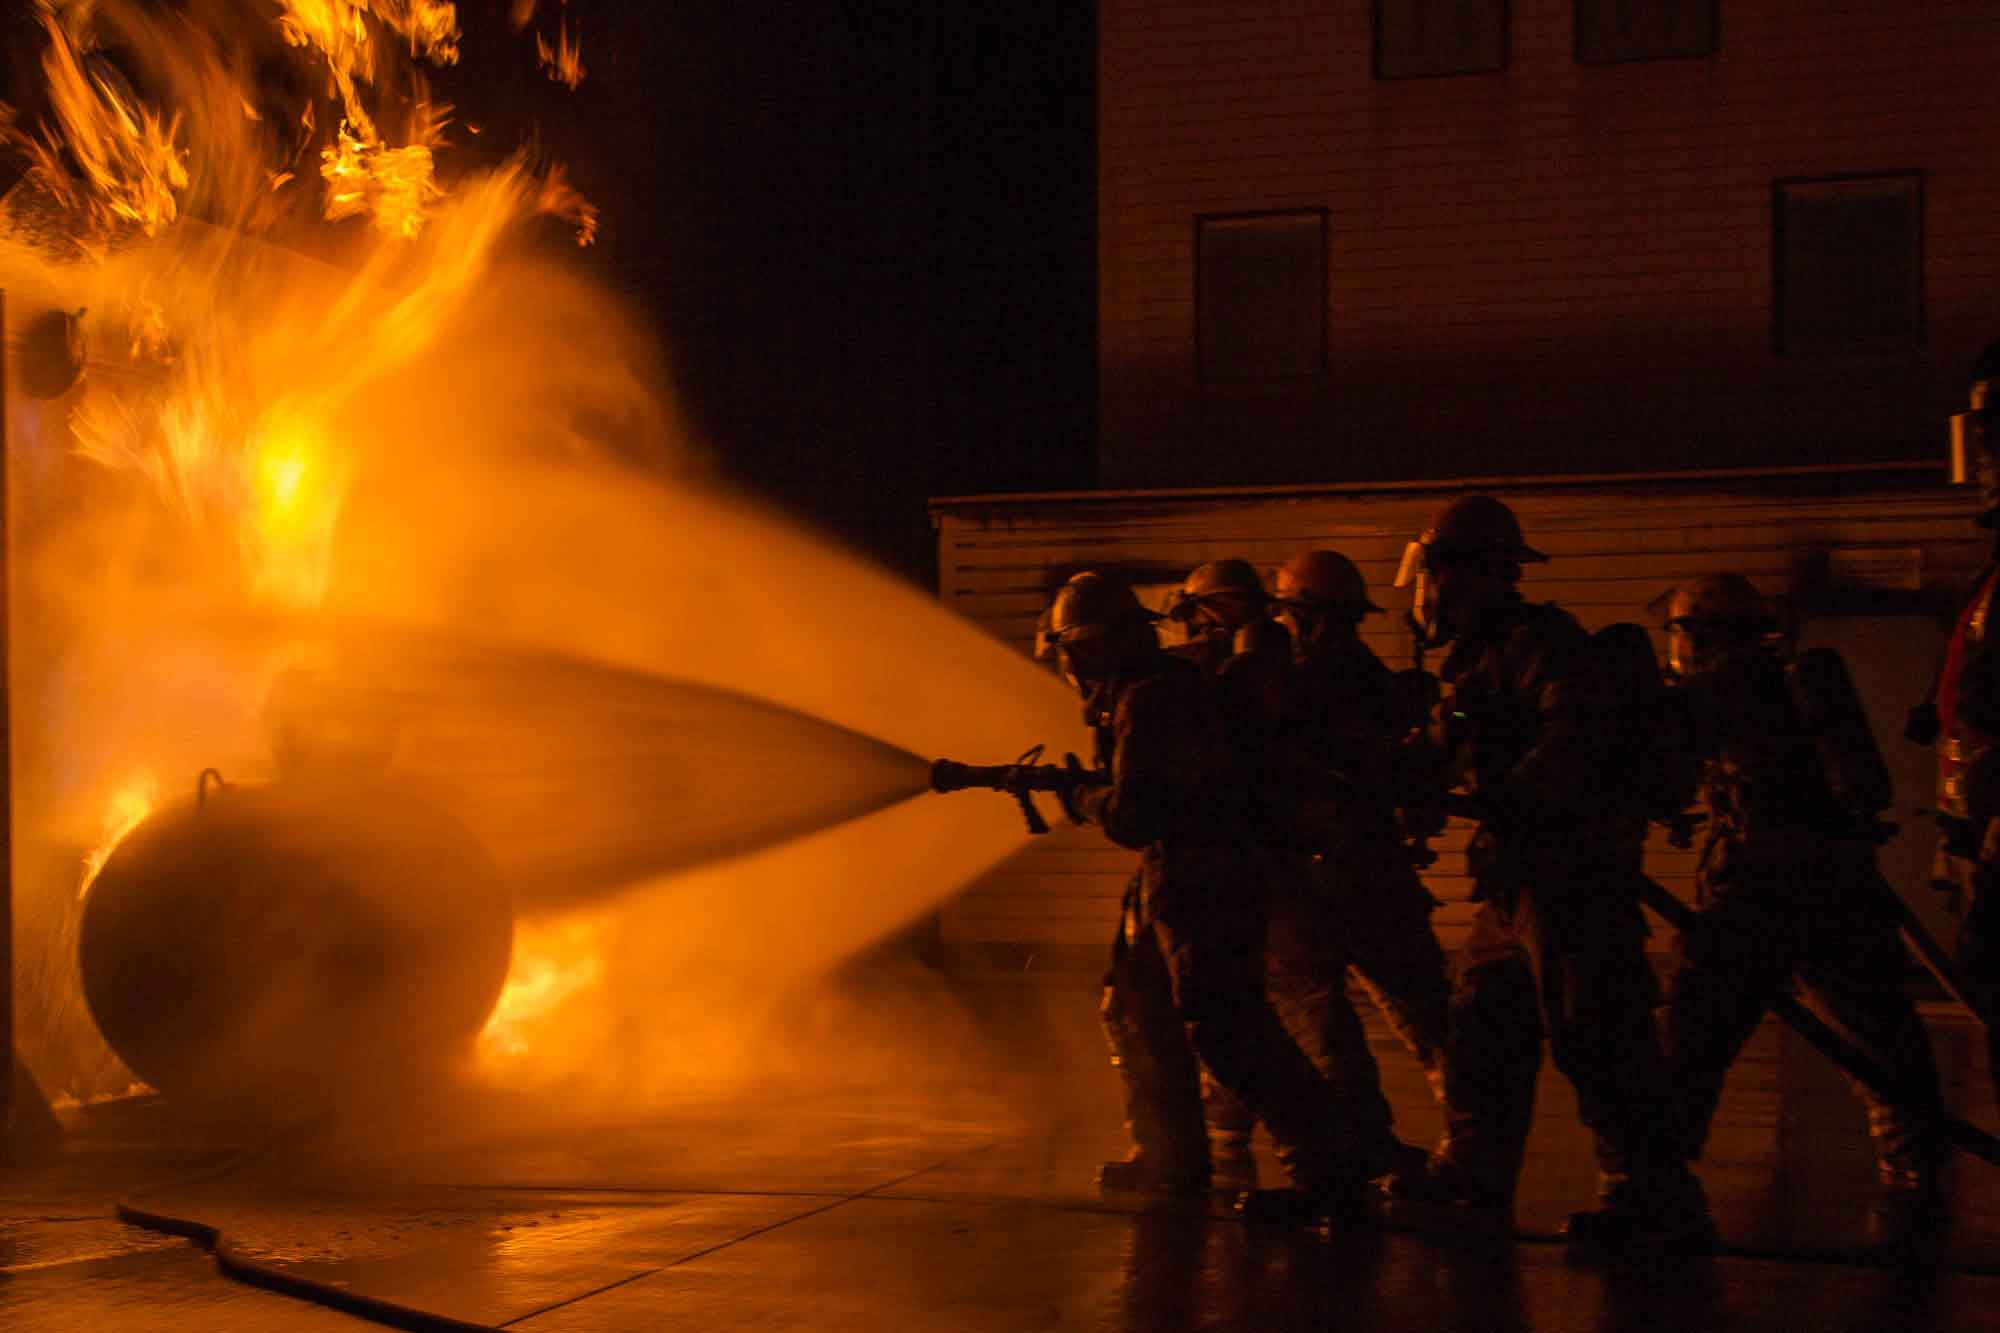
(1350, 717)
(1187, 978)
(1557, 948)
(1789, 889)
(1307, 728)
(1962, 717)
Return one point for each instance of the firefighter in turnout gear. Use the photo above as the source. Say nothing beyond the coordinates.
(1962, 717)
(1297, 729)
(1187, 976)
(1558, 946)
(1223, 612)
(1348, 719)
(1788, 884)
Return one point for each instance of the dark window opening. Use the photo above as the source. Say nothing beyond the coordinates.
(1423, 39)
(1611, 32)
(1260, 295)
(1848, 255)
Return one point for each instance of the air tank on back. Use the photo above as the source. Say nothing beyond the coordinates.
(259, 953)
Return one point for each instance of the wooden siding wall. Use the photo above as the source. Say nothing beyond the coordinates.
(1555, 268)
(1610, 554)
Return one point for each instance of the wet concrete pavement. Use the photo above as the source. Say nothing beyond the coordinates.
(966, 1206)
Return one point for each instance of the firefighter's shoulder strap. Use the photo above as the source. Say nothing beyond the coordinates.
(1833, 715)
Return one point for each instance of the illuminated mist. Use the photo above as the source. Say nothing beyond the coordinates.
(357, 446)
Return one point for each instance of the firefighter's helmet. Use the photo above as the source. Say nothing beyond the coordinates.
(1723, 601)
(1479, 525)
(1711, 620)
(1222, 583)
(1089, 606)
(1473, 528)
(1323, 581)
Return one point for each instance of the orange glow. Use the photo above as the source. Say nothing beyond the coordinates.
(554, 964)
(296, 483)
(128, 807)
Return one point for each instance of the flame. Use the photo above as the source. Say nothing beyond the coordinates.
(553, 964)
(393, 185)
(239, 414)
(297, 483)
(395, 188)
(133, 170)
(564, 60)
(127, 809)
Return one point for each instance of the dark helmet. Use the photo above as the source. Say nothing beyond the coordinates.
(1473, 528)
(1097, 631)
(1713, 617)
(1324, 580)
(1478, 526)
(1089, 606)
(1220, 582)
(1727, 601)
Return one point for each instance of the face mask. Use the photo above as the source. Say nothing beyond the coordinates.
(1306, 622)
(1424, 619)
(1683, 653)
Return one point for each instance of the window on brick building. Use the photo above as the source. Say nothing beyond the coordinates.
(1848, 261)
(1612, 31)
(1422, 39)
(1260, 295)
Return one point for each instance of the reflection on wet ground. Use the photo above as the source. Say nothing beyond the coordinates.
(971, 1207)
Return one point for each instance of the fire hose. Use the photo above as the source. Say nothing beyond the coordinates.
(232, 1262)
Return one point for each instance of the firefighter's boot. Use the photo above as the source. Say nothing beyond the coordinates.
(1441, 1197)
(1660, 1213)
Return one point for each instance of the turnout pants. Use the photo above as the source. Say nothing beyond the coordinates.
(1186, 989)
(1373, 916)
(1812, 917)
(1561, 955)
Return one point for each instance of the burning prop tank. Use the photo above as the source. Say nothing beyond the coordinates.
(256, 952)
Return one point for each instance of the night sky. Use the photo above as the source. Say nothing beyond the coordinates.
(865, 230)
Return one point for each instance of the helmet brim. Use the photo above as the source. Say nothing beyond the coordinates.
(1366, 606)
(1521, 554)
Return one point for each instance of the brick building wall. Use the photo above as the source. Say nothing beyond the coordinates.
(1556, 267)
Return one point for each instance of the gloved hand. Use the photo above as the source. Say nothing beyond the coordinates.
(1081, 798)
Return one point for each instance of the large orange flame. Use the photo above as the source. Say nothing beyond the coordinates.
(236, 416)
(132, 167)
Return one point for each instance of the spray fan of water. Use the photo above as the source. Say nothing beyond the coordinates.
(415, 469)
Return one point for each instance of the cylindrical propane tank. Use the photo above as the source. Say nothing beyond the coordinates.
(264, 952)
